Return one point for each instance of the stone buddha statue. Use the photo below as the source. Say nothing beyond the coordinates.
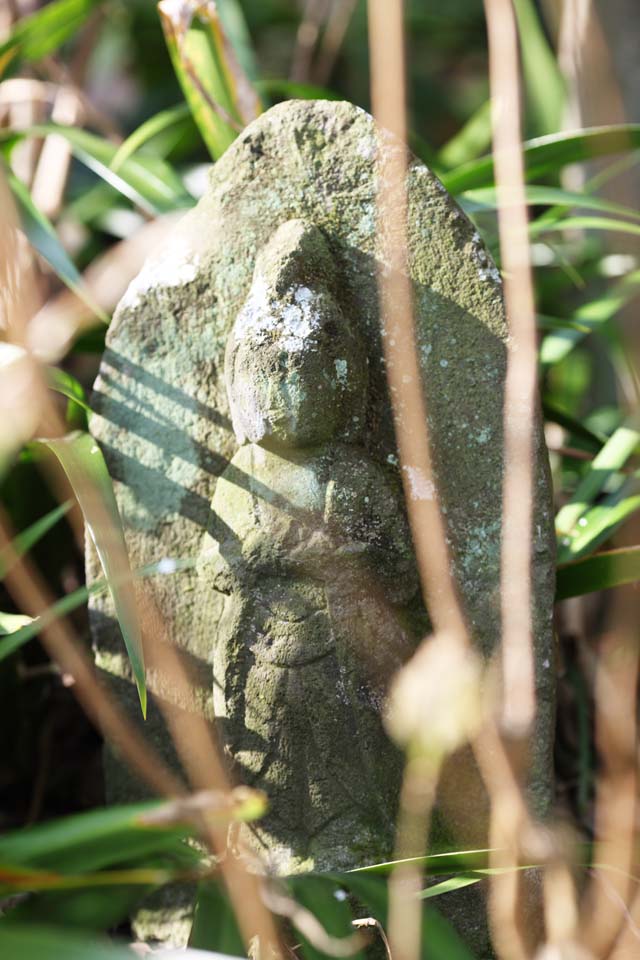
(311, 547)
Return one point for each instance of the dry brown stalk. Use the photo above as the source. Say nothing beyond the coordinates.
(518, 699)
(605, 906)
(386, 40)
(333, 38)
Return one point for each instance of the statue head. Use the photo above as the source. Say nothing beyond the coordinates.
(296, 374)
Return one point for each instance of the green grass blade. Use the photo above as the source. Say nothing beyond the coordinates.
(539, 228)
(66, 384)
(433, 863)
(550, 153)
(609, 460)
(42, 32)
(469, 142)
(50, 943)
(593, 441)
(12, 622)
(149, 182)
(147, 131)
(544, 84)
(82, 461)
(590, 317)
(214, 923)
(42, 236)
(24, 541)
(596, 526)
(485, 198)
(220, 96)
(449, 885)
(17, 638)
(611, 568)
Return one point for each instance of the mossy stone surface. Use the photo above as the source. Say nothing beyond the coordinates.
(163, 415)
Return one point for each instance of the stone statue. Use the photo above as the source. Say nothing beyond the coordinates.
(314, 556)
(243, 411)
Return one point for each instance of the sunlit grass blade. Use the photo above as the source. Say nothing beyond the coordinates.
(435, 863)
(110, 836)
(24, 541)
(608, 461)
(450, 885)
(610, 568)
(541, 227)
(596, 526)
(221, 97)
(12, 622)
(439, 939)
(82, 461)
(43, 238)
(66, 384)
(22, 633)
(550, 153)
(147, 131)
(50, 943)
(544, 84)
(470, 141)
(485, 198)
(42, 32)
(147, 181)
(591, 316)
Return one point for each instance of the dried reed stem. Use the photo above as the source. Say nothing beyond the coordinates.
(520, 410)
(388, 94)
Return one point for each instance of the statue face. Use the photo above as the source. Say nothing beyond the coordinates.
(296, 375)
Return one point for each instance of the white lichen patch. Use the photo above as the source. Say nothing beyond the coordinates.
(176, 265)
(483, 435)
(487, 270)
(262, 318)
(342, 368)
(420, 486)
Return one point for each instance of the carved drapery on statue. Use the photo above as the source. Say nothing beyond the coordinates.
(243, 410)
(311, 547)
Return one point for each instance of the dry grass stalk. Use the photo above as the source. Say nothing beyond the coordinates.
(386, 39)
(605, 906)
(518, 695)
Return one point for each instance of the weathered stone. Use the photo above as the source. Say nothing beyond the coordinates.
(285, 246)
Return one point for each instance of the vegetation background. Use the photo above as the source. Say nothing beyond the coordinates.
(110, 114)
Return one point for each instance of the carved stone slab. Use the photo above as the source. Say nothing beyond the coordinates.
(305, 173)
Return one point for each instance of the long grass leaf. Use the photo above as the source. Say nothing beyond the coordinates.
(21, 634)
(43, 238)
(217, 89)
(42, 32)
(610, 568)
(82, 461)
(24, 541)
(51, 943)
(539, 228)
(147, 131)
(596, 526)
(550, 153)
(609, 460)
(591, 316)
(485, 198)
(544, 84)
(147, 181)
